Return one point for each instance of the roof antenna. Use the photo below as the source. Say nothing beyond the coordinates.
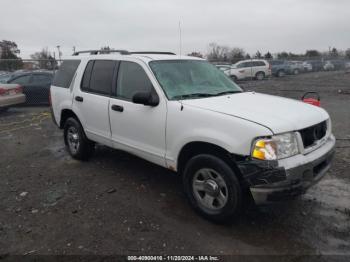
(180, 43)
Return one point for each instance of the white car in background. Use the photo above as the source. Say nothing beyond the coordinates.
(328, 66)
(250, 69)
(307, 66)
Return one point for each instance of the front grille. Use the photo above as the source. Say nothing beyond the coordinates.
(313, 133)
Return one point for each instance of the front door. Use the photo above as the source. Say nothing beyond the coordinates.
(137, 128)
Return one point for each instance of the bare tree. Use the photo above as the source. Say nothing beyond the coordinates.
(347, 53)
(218, 53)
(195, 54)
(236, 54)
(44, 59)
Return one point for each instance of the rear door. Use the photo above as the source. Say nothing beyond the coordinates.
(137, 128)
(62, 87)
(91, 100)
(246, 69)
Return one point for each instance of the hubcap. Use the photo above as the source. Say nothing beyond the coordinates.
(210, 189)
(73, 139)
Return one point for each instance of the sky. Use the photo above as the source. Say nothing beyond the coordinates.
(139, 25)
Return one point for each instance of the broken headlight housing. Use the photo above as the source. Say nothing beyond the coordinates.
(275, 147)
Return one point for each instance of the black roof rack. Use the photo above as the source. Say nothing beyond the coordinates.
(96, 52)
(152, 53)
(123, 52)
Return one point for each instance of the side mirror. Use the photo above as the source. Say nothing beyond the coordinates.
(146, 98)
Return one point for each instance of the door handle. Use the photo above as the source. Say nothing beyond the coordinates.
(117, 108)
(79, 99)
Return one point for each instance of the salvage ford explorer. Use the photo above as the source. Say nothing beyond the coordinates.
(184, 114)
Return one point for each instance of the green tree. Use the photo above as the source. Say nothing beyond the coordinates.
(258, 54)
(268, 55)
(347, 53)
(312, 53)
(334, 52)
(282, 55)
(9, 59)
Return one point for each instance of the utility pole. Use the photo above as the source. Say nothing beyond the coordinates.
(59, 52)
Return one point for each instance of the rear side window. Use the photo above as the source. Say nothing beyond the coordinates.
(65, 74)
(132, 79)
(41, 79)
(98, 77)
(21, 80)
(259, 63)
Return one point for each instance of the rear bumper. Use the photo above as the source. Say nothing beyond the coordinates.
(292, 176)
(6, 101)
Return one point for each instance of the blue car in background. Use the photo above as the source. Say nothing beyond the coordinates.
(282, 67)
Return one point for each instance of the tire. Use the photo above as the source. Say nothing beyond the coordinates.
(3, 109)
(296, 72)
(260, 76)
(78, 145)
(280, 73)
(212, 188)
(234, 78)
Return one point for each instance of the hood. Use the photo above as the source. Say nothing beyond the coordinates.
(279, 114)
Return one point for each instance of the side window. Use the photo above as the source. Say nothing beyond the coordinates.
(65, 74)
(131, 79)
(260, 63)
(87, 75)
(41, 79)
(101, 78)
(21, 80)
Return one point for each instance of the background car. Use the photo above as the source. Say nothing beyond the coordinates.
(296, 67)
(250, 69)
(36, 86)
(307, 66)
(5, 77)
(328, 66)
(224, 68)
(280, 68)
(317, 65)
(10, 94)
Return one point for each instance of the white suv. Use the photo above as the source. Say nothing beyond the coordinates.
(250, 69)
(186, 115)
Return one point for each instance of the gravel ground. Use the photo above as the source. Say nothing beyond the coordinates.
(116, 203)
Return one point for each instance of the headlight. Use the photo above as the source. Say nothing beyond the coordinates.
(276, 147)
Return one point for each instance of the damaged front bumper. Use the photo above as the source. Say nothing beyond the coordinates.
(271, 181)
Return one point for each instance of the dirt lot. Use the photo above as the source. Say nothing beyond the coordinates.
(119, 204)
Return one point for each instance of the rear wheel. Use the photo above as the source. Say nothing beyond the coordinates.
(212, 188)
(281, 73)
(296, 72)
(260, 76)
(78, 145)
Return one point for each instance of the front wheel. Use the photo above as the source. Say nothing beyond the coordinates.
(212, 188)
(78, 145)
(260, 76)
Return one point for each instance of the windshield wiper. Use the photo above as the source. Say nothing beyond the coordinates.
(193, 95)
(227, 92)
